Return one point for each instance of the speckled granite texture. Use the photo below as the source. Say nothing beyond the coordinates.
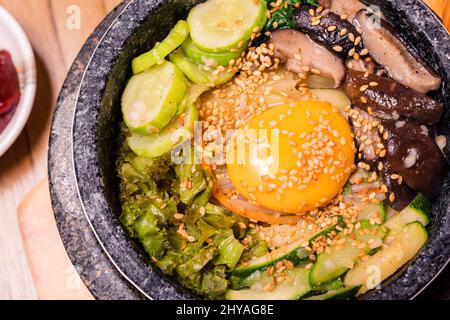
(82, 149)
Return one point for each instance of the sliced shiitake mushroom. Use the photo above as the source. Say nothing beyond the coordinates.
(300, 54)
(403, 195)
(330, 30)
(348, 8)
(390, 100)
(412, 152)
(389, 49)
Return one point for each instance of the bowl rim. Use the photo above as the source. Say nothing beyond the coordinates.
(82, 199)
(28, 88)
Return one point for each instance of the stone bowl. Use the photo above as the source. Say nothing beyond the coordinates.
(92, 123)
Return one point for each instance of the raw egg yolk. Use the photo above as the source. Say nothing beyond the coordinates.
(292, 158)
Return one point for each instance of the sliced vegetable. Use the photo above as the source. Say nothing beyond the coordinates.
(375, 211)
(230, 249)
(207, 58)
(294, 287)
(294, 252)
(330, 286)
(151, 98)
(156, 145)
(161, 50)
(218, 26)
(201, 74)
(389, 259)
(342, 257)
(197, 262)
(191, 182)
(339, 294)
(418, 210)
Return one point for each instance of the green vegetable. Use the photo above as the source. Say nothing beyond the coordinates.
(169, 262)
(418, 210)
(198, 262)
(216, 216)
(286, 290)
(192, 181)
(284, 17)
(213, 284)
(158, 144)
(214, 59)
(200, 73)
(155, 244)
(146, 225)
(177, 35)
(340, 258)
(218, 26)
(389, 259)
(337, 294)
(151, 99)
(230, 249)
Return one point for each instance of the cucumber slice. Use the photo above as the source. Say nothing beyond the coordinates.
(151, 98)
(198, 73)
(418, 210)
(373, 211)
(330, 286)
(337, 98)
(294, 287)
(195, 91)
(388, 260)
(207, 58)
(331, 265)
(173, 135)
(155, 56)
(338, 294)
(220, 25)
(294, 252)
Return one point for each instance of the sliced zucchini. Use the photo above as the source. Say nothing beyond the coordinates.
(389, 259)
(373, 211)
(191, 98)
(330, 265)
(207, 58)
(151, 99)
(294, 252)
(337, 98)
(330, 286)
(294, 287)
(200, 74)
(220, 25)
(159, 144)
(338, 294)
(155, 56)
(418, 210)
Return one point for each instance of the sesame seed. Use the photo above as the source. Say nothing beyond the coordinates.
(351, 37)
(331, 28)
(351, 52)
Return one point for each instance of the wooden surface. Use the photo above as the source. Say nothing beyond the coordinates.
(55, 45)
(25, 164)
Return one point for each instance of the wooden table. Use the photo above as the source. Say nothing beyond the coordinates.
(49, 25)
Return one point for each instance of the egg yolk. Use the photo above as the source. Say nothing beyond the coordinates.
(292, 158)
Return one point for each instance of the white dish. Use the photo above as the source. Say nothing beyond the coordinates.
(14, 40)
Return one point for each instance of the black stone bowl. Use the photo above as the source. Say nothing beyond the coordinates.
(90, 106)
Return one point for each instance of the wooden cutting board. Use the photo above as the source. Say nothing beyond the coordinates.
(41, 238)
